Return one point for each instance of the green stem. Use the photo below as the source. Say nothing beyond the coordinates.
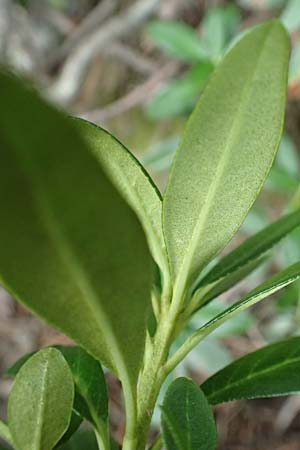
(150, 381)
(158, 443)
(5, 433)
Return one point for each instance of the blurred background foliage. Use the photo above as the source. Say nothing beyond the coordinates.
(137, 68)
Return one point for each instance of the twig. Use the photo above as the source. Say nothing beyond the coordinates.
(5, 20)
(73, 72)
(132, 58)
(95, 18)
(136, 97)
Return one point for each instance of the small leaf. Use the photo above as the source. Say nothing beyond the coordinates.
(40, 403)
(227, 150)
(269, 287)
(180, 96)
(268, 372)
(218, 287)
(81, 261)
(187, 420)
(219, 26)
(178, 40)
(91, 397)
(252, 248)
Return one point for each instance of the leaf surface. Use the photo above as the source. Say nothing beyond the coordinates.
(132, 181)
(227, 150)
(187, 420)
(253, 248)
(41, 400)
(178, 40)
(212, 291)
(71, 248)
(271, 371)
(269, 287)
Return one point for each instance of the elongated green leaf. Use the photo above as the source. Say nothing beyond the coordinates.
(71, 248)
(211, 291)
(41, 400)
(252, 248)
(187, 420)
(271, 371)
(179, 96)
(133, 182)
(227, 149)
(91, 386)
(177, 40)
(269, 287)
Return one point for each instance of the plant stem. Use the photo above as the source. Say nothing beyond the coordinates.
(158, 443)
(150, 381)
(5, 433)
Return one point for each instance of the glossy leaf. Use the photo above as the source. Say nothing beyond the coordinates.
(179, 96)
(178, 40)
(227, 150)
(81, 259)
(268, 372)
(187, 420)
(252, 248)
(132, 181)
(269, 287)
(41, 400)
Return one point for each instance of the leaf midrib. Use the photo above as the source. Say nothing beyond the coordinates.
(41, 407)
(192, 247)
(252, 376)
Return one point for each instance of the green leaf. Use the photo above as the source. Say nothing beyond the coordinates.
(269, 287)
(187, 420)
(268, 372)
(252, 249)
(91, 397)
(82, 440)
(40, 403)
(179, 96)
(133, 182)
(91, 386)
(204, 295)
(219, 26)
(227, 150)
(71, 248)
(177, 40)
(290, 15)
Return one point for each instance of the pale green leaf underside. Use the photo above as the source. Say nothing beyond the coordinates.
(133, 183)
(227, 149)
(187, 419)
(268, 372)
(41, 401)
(70, 247)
